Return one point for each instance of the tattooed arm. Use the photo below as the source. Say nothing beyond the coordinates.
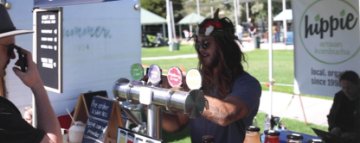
(226, 111)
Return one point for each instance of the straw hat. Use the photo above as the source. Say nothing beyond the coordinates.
(7, 28)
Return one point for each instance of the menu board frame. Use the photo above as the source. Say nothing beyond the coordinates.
(48, 47)
(103, 121)
(49, 3)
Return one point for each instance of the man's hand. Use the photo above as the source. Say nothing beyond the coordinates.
(31, 76)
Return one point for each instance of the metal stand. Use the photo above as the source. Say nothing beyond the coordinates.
(191, 103)
(153, 121)
(301, 104)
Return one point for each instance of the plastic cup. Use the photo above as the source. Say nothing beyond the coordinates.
(76, 132)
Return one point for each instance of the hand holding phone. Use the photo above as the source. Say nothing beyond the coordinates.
(21, 63)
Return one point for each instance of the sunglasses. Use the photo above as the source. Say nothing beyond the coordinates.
(21, 62)
(203, 44)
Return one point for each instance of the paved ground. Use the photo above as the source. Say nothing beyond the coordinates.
(307, 109)
(303, 108)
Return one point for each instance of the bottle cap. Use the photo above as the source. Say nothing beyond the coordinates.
(272, 133)
(294, 136)
(253, 129)
(315, 141)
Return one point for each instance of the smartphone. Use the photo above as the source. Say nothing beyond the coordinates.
(21, 63)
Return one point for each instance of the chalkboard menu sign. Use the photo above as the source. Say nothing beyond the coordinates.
(49, 47)
(83, 105)
(103, 121)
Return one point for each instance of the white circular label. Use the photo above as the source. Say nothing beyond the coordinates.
(193, 79)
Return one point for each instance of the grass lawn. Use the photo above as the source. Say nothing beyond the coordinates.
(164, 51)
(257, 64)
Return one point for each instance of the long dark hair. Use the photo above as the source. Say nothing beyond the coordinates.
(351, 76)
(228, 52)
(3, 91)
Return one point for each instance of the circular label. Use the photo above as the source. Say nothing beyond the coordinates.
(137, 71)
(154, 74)
(174, 77)
(330, 35)
(193, 79)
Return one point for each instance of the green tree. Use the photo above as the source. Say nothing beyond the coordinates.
(259, 9)
(159, 6)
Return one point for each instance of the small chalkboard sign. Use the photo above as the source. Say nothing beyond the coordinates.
(89, 96)
(83, 104)
(104, 119)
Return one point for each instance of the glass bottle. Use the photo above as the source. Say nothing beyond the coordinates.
(272, 136)
(207, 139)
(267, 124)
(294, 138)
(252, 135)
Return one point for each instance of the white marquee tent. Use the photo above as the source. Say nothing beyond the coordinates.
(287, 15)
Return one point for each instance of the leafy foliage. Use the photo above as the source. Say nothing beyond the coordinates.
(159, 6)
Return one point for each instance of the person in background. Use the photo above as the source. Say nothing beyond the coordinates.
(344, 116)
(277, 33)
(252, 28)
(232, 94)
(13, 128)
(239, 31)
(186, 34)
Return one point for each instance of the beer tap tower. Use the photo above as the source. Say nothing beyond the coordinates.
(156, 98)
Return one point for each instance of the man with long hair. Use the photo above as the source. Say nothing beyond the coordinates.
(232, 95)
(13, 128)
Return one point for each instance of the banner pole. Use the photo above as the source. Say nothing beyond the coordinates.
(270, 55)
(302, 108)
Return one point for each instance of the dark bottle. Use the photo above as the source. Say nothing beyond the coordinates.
(208, 139)
(272, 136)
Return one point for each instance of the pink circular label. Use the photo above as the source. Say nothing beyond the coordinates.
(174, 77)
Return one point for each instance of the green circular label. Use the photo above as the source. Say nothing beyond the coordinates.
(137, 71)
